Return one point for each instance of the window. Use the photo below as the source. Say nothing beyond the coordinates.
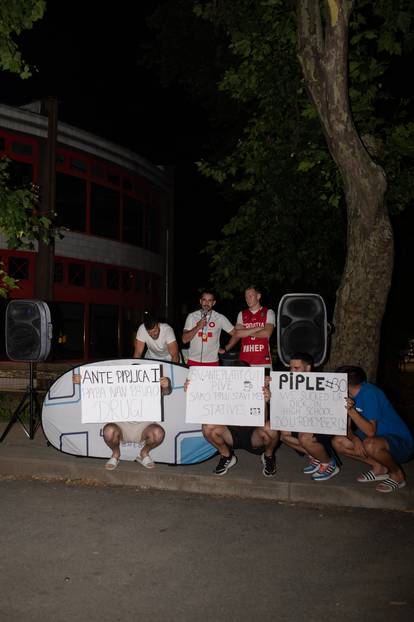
(152, 230)
(96, 276)
(104, 211)
(76, 274)
(71, 202)
(21, 148)
(68, 328)
(103, 331)
(58, 272)
(132, 225)
(113, 179)
(18, 267)
(127, 184)
(127, 279)
(112, 278)
(98, 171)
(138, 282)
(21, 174)
(78, 165)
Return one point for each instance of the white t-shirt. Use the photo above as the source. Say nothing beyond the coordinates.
(157, 348)
(205, 344)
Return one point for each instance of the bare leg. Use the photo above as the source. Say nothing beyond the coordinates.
(220, 437)
(112, 436)
(153, 435)
(292, 441)
(378, 450)
(267, 438)
(343, 445)
(314, 448)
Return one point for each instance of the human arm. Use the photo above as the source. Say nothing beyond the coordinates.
(174, 351)
(367, 426)
(138, 349)
(166, 387)
(257, 331)
(233, 340)
(190, 333)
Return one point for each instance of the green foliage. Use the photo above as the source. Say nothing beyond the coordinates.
(20, 221)
(16, 16)
(7, 283)
(290, 224)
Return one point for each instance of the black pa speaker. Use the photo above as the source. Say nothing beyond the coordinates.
(302, 327)
(28, 330)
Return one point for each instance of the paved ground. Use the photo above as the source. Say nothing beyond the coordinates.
(21, 457)
(106, 554)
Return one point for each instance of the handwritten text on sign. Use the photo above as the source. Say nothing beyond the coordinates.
(120, 393)
(308, 402)
(226, 395)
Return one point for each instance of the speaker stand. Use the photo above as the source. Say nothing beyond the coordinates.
(30, 400)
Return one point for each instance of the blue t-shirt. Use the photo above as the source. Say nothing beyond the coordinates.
(373, 404)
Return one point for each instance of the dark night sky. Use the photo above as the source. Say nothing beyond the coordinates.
(90, 60)
(88, 56)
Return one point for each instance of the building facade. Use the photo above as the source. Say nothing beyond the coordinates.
(114, 209)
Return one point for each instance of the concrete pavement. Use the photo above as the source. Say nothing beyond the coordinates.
(24, 458)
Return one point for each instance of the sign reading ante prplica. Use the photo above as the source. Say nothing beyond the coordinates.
(121, 393)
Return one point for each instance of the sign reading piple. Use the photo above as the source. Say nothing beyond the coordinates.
(226, 395)
(309, 402)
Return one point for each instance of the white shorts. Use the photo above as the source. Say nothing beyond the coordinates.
(132, 431)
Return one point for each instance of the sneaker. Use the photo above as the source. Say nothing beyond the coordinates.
(225, 463)
(269, 465)
(312, 467)
(326, 471)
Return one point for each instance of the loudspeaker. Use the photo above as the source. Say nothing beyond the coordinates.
(302, 327)
(229, 358)
(28, 330)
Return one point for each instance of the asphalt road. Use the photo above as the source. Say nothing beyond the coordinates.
(72, 553)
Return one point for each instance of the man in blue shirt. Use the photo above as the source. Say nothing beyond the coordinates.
(376, 434)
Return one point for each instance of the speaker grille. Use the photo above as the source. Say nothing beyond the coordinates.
(28, 330)
(302, 327)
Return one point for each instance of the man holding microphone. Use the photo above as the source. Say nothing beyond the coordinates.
(202, 331)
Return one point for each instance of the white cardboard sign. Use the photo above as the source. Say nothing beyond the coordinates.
(120, 393)
(309, 402)
(226, 396)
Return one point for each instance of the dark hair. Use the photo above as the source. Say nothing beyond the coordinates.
(303, 356)
(356, 375)
(150, 321)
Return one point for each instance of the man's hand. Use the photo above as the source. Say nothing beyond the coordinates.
(359, 447)
(165, 384)
(76, 378)
(267, 394)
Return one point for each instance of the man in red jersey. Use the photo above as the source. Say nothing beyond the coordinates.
(254, 327)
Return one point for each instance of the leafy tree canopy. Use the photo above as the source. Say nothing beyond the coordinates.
(289, 227)
(16, 16)
(19, 220)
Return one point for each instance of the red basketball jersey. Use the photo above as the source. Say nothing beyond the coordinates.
(255, 350)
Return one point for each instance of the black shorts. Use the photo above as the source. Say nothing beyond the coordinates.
(324, 439)
(242, 439)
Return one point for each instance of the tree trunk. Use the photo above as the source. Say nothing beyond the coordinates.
(44, 260)
(365, 283)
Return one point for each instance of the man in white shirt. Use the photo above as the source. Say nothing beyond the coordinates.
(159, 339)
(202, 331)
